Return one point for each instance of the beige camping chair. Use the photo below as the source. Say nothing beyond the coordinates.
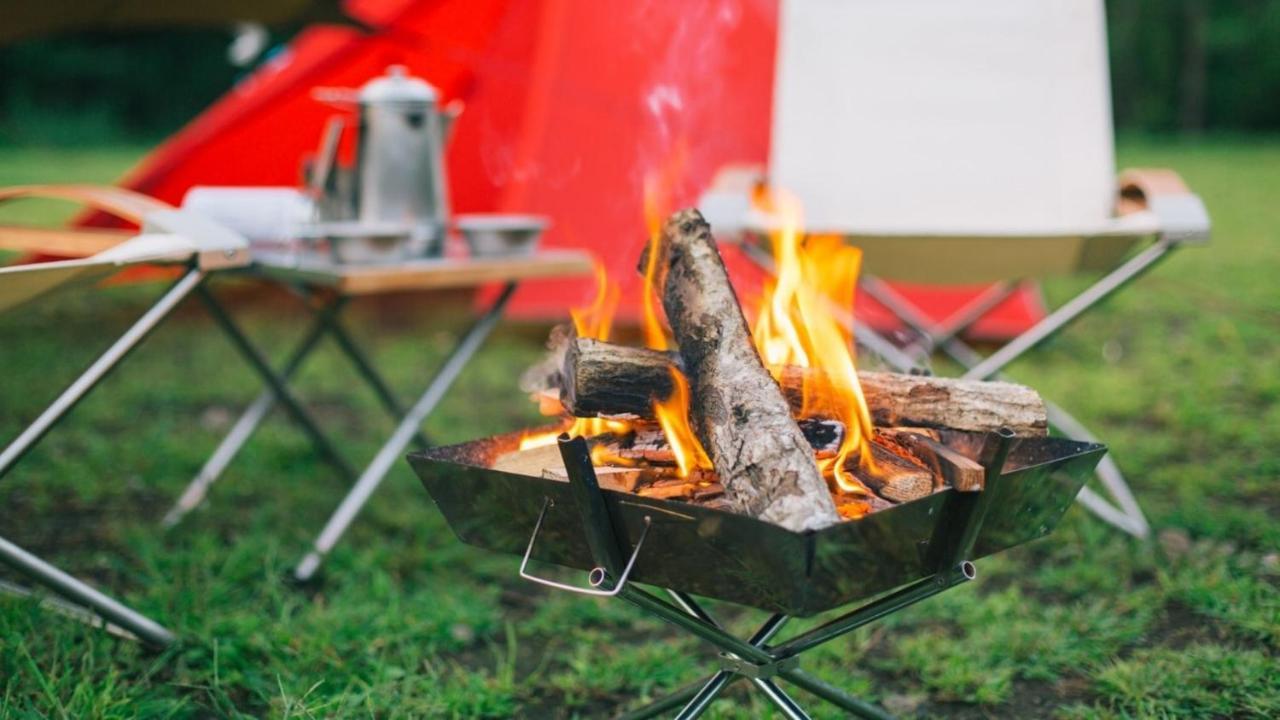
(959, 143)
(168, 236)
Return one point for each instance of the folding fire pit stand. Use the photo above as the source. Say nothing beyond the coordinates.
(755, 659)
(333, 286)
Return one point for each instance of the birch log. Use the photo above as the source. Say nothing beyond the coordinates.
(737, 409)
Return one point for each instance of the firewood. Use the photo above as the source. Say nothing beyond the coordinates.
(611, 478)
(682, 489)
(595, 377)
(738, 411)
(896, 476)
(647, 444)
(606, 379)
(947, 464)
(532, 461)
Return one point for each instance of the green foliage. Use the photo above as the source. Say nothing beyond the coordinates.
(1187, 65)
(1194, 682)
(90, 89)
(1195, 64)
(409, 622)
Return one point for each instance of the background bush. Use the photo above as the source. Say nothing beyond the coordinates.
(1177, 66)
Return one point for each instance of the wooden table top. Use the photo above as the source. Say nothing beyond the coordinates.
(428, 274)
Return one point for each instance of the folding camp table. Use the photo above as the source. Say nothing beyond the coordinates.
(168, 236)
(330, 287)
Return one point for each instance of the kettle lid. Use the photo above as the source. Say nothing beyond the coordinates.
(397, 86)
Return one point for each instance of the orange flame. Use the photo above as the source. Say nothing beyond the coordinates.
(596, 320)
(673, 416)
(672, 413)
(593, 321)
(796, 326)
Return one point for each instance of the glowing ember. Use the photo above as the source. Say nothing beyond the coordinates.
(796, 326)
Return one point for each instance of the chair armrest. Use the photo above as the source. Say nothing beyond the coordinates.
(1162, 192)
(727, 204)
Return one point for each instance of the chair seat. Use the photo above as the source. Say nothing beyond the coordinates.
(964, 258)
(976, 256)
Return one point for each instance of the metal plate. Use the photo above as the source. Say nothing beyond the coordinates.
(732, 557)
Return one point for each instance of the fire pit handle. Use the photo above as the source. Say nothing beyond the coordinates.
(598, 575)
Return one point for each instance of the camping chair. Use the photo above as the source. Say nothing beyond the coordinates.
(168, 236)
(963, 143)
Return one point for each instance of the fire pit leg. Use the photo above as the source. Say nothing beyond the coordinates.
(833, 695)
(662, 705)
(709, 692)
(753, 659)
(781, 700)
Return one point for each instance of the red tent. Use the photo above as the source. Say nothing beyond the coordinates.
(569, 106)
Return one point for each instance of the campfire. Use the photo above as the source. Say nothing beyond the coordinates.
(769, 419)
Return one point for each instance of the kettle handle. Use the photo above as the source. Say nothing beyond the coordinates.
(342, 98)
(448, 115)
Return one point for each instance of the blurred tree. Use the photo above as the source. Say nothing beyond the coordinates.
(91, 88)
(1192, 65)
(1176, 65)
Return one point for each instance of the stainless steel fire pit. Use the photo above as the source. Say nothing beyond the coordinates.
(731, 557)
(916, 550)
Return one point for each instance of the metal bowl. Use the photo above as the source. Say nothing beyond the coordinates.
(497, 235)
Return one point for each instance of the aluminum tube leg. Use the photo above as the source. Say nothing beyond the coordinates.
(401, 437)
(371, 376)
(678, 617)
(1073, 309)
(99, 369)
(1128, 516)
(973, 311)
(908, 595)
(709, 692)
(781, 699)
(54, 603)
(79, 592)
(834, 695)
(246, 425)
(278, 386)
(910, 316)
(660, 706)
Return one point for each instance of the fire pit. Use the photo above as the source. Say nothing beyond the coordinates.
(756, 466)
(723, 555)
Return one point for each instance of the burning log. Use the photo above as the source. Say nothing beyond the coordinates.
(648, 444)
(898, 476)
(601, 378)
(738, 411)
(953, 468)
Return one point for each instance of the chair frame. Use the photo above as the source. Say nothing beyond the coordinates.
(1182, 220)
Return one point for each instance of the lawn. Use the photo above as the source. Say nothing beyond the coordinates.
(1181, 376)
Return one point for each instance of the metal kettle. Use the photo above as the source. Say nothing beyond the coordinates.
(396, 198)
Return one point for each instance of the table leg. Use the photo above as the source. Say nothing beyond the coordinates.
(112, 610)
(247, 424)
(99, 369)
(401, 437)
(370, 375)
(276, 383)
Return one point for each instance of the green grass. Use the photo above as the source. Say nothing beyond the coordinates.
(1179, 375)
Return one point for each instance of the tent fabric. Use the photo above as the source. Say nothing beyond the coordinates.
(571, 108)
